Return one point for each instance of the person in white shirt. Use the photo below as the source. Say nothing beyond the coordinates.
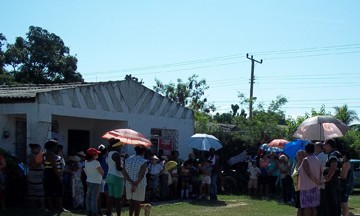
(154, 172)
(94, 174)
(254, 172)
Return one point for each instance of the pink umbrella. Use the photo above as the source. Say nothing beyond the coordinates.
(321, 128)
(128, 136)
(279, 143)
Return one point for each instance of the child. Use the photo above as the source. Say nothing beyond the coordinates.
(185, 179)
(254, 172)
(205, 171)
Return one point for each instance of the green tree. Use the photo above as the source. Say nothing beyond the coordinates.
(234, 108)
(345, 115)
(190, 94)
(5, 77)
(129, 77)
(41, 58)
(225, 118)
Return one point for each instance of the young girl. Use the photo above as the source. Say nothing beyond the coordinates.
(94, 174)
(185, 180)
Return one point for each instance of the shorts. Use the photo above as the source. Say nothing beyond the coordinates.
(206, 180)
(138, 195)
(310, 198)
(253, 183)
(115, 185)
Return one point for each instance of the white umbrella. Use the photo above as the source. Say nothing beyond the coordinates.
(204, 142)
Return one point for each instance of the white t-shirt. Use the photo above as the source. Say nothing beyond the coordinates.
(154, 169)
(92, 175)
(254, 172)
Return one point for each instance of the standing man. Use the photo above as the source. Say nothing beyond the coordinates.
(134, 171)
(322, 157)
(215, 159)
(331, 175)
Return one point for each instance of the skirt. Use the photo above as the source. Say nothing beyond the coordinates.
(35, 183)
(310, 198)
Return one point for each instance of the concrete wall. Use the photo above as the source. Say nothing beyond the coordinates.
(99, 108)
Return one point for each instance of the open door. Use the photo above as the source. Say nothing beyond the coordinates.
(78, 140)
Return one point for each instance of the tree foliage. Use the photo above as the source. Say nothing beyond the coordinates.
(5, 77)
(345, 115)
(41, 57)
(190, 93)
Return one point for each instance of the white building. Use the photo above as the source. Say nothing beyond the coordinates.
(78, 114)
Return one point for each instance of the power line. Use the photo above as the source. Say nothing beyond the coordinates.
(240, 56)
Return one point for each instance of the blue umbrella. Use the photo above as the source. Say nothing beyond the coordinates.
(291, 148)
(267, 148)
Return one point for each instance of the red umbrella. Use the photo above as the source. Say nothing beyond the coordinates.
(128, 136)
(280, 143)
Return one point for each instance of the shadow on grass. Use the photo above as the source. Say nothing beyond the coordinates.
(204, 202)
(33, 212)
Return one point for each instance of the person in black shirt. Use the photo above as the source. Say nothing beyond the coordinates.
(331, 175)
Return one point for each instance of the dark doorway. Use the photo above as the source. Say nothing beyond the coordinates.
(79, 140)
(20, 139)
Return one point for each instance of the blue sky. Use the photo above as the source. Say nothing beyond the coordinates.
(310, 49)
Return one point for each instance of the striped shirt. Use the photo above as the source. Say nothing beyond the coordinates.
(58, 163)
(334, 156)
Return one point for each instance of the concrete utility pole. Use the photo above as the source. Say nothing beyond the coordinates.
(252, 81)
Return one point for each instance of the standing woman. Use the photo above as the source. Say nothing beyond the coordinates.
(135, 170)
(300, 155)
(35, 176)
(94, 174)
(309, 181)
(347, 179)
(53, 185)
(115, 179)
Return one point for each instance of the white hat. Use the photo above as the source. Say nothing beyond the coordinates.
(74, 158)
(101, 147)
(154, 157)
(82, 153)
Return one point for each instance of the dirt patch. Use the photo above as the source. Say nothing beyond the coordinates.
(232, 205)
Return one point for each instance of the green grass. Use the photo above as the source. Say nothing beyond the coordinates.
(227, 205)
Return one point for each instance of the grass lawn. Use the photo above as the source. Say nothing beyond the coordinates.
(227, 205)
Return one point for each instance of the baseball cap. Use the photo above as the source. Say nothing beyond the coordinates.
(92, 151)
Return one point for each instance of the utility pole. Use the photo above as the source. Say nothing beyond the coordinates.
(252, 81)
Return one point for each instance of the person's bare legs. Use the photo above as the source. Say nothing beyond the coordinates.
(345, 209)
(300, 212)
(131, 207)
(137, 207)
(118, 206)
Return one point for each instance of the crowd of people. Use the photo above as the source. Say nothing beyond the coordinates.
(318, 181)
(103, 178)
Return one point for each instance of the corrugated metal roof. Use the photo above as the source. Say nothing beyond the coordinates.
(29, 91)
